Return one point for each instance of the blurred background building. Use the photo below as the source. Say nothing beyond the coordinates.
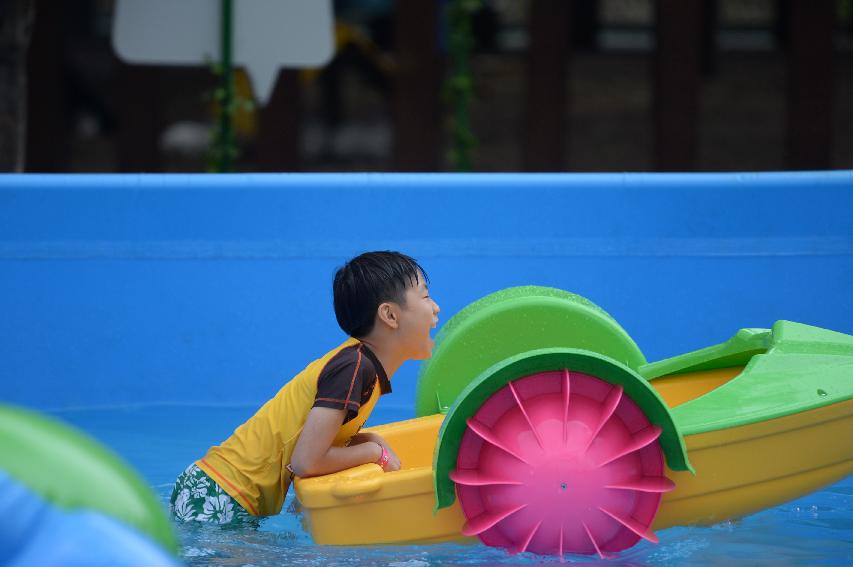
(586, 85)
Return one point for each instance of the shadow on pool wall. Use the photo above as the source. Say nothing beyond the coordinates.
(138, 289)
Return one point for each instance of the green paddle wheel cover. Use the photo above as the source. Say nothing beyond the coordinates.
(509, 322)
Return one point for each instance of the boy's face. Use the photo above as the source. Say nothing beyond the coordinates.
(417, 317)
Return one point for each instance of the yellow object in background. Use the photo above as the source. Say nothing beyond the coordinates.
(245, 117)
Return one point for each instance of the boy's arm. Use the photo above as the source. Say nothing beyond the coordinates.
(314, 454)
(394, 463)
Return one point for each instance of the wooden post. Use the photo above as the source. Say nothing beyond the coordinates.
(710, 19)
(418, 124)
(16, 18)
(810, 84)
(545, 129)
(139, 118)
(49, 124)
(279, 129)
(676, 83)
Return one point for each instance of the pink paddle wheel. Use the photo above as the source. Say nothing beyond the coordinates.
(560, 462)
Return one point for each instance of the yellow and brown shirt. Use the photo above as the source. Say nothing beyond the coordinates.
(250, 464)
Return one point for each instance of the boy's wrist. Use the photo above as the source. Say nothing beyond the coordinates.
(382, 461)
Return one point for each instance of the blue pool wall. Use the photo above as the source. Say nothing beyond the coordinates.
(215, 289)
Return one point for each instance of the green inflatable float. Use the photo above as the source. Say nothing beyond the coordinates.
(56, 478)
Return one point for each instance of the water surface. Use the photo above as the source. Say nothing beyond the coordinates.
(159, 441)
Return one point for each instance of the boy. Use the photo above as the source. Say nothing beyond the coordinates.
(311, 426)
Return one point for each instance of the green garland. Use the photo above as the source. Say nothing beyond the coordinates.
(223, 149)
(845, 13)
(459, 86)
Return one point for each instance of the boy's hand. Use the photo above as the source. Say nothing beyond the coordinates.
(393, 460)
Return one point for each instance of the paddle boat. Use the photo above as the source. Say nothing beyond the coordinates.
(541, 427)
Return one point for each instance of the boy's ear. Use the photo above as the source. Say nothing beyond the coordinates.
(387, 313)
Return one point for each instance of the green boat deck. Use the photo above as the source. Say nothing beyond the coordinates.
(789, 369)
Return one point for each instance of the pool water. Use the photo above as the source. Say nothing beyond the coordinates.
(159, 441)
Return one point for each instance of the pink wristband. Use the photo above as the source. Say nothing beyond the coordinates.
(383, 460)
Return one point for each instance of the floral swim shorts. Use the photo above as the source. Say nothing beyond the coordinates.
(197, 498)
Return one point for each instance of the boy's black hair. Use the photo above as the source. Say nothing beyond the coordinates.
(367, 281)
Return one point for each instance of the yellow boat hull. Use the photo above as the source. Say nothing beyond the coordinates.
(742, 470)
(739, 471)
